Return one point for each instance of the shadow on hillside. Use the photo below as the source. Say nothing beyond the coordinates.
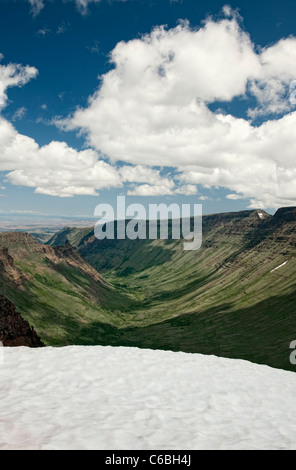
(277, 227)
(54, 329)
(260, 334)
(186, 289)
(126, 257)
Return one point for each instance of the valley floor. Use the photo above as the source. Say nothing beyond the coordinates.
(95, 397)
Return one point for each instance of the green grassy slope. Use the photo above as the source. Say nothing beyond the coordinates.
(223, 299)
(55, 290)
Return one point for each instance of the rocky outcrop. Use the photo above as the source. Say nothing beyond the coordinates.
(8, 268)
(14, 330)
(70, 255)
(23, 239)
(16, 245)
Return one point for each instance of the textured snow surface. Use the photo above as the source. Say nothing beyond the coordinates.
(128, 398)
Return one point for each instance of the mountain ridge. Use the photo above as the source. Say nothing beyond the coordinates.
(234, 297)
(54, 288)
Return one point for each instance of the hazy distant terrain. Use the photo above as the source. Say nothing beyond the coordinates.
(42, 227)
(235, 297)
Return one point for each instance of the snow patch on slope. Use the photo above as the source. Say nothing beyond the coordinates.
(94, 397)
(280, 266)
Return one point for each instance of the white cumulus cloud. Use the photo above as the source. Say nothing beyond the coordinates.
(57, 169)
(152, 109)
(14, 75)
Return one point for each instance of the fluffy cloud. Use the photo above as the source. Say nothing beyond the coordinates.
(152, 108)
(150, 190)
(187, 190)
(272, 82)
(165, 187)
(59, 170)
(151, 114)
(14, 75)
(54, 169)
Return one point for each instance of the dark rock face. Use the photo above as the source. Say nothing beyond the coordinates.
(286, 214)
(14, 330)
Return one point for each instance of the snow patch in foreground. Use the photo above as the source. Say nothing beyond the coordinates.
(94, 397)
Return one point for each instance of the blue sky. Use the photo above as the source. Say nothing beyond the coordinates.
(198, 111)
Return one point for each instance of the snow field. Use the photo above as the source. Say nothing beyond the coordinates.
(94, 397)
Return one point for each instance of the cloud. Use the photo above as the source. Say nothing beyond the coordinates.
(187, 190)
(150, 190)
(43, 32)
(54, 169)
(19, 113)
(82, 5)
(154, 183)
(59, 170)
(63, 27)
(14, 75)
(234, 197)
(144, 174)
(95, 48)
(271, 86)
(152, 108)
(151, 111)
(36, 6)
